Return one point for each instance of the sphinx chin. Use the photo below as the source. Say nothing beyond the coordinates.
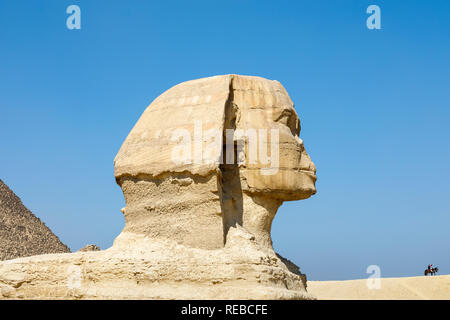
(192, 230)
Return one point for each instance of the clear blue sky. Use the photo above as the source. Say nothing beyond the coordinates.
(374, 105)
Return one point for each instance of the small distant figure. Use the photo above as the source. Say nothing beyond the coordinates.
(431, 270)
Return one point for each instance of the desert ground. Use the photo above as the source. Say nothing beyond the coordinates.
(411, 288)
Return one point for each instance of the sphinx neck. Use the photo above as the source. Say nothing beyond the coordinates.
(195, 211)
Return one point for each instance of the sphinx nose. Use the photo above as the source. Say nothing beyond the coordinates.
(305, 161)
(311, 164)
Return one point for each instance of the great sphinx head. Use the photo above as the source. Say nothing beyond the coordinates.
(213, 154)
(203, 173)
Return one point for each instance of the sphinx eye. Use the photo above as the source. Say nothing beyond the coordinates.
(285, 117)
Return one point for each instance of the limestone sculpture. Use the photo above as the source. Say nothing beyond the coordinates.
(203, 173)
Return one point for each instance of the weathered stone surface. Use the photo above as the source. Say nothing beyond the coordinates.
(198, 209)
(22, 234)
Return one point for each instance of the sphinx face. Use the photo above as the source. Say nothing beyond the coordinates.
(283, 168)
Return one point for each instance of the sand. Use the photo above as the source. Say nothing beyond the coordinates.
(415, 288)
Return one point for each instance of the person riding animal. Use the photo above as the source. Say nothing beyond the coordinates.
(430, 270)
